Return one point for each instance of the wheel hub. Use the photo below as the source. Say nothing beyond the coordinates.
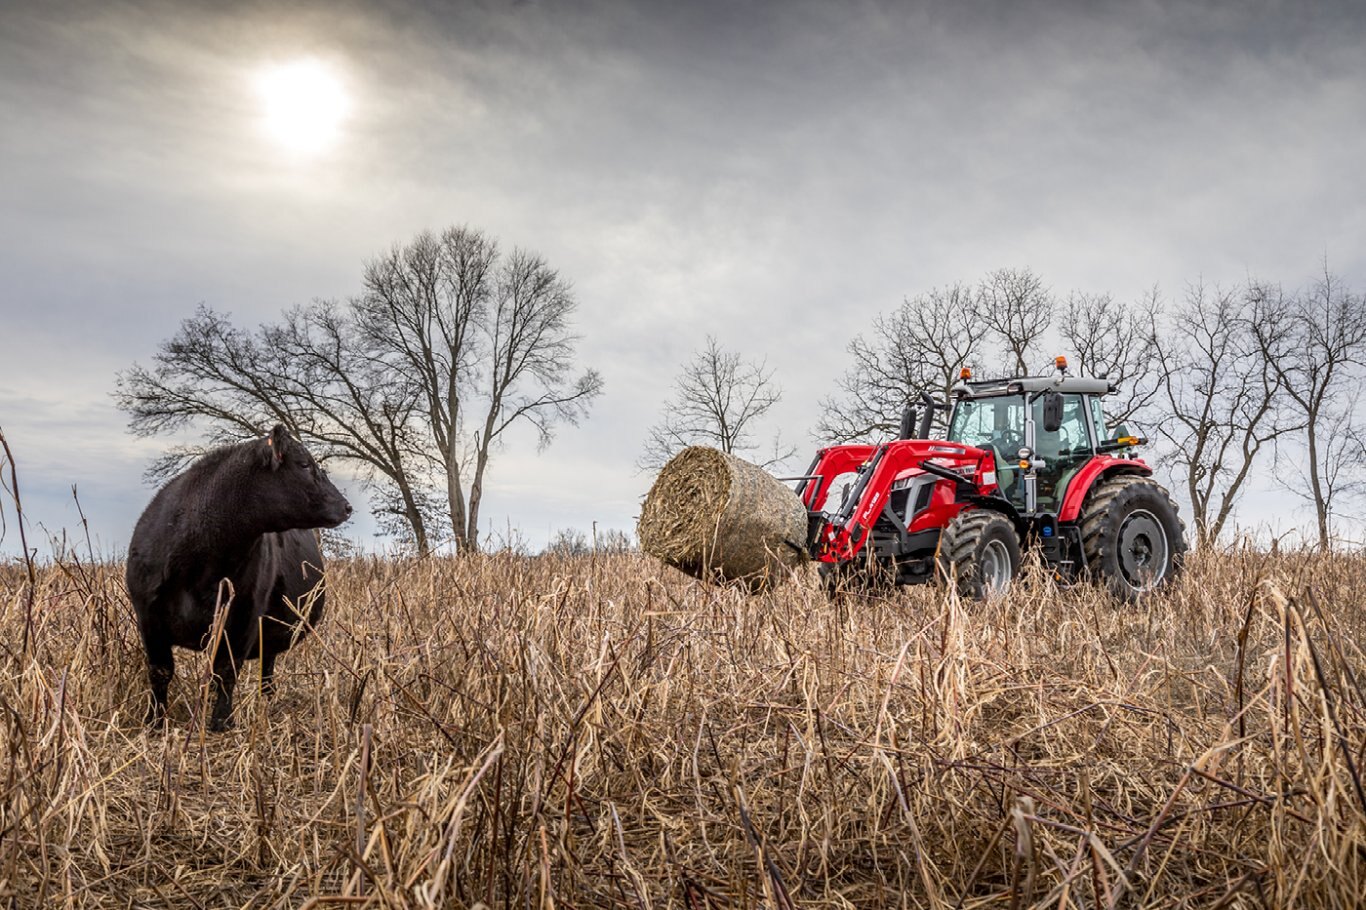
(1144, 552)
(994, 568)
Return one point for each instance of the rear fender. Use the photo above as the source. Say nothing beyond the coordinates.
(1094, 471)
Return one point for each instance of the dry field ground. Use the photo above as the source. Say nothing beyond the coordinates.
(539, 732)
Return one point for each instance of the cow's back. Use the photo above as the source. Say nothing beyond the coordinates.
(157, 543)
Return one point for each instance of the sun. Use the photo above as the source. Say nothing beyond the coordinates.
(303, 105)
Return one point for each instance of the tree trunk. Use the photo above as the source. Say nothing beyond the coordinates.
(455, 496)
(414, 517)
(1199, 513)
(476, 495)
(1316, 482)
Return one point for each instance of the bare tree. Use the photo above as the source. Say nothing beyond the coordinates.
(613, 540)
(921, 346)
(1109, 341)
(1222, 398)
(1018, 310)
(1340, 453)
(568, 542)
(1316, 342)
(210, 370)
(719, 398)
(488, 341)
(309, 372)
(415, 382)
(420, 311)
(349, 401)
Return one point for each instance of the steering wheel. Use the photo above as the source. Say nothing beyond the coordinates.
(1008, 442)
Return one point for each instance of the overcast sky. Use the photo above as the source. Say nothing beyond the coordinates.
(775, 174)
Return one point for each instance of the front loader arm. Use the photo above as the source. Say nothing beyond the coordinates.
(841, 535)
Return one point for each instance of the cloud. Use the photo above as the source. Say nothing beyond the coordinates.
(774, 174)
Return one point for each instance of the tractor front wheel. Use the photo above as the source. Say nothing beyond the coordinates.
(979, 551)
(1131, 534)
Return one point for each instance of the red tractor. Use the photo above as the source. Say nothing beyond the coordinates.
(1026, 462)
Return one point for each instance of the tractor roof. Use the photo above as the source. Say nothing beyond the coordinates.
(1080, 385)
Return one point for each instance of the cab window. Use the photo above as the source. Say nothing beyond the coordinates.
(1098, 418)
(990, 423)
(1062, 452)
(1071, 438)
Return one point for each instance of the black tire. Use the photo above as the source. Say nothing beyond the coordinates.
(979, 552)
(1131, 533)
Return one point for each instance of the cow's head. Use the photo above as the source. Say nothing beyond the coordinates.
(295, 491)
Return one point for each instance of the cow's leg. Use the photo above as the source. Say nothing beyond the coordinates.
(239, 637)
(160, 671)
(224, 682)
(274, 631)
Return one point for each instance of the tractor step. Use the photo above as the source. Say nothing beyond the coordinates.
(1063, 570)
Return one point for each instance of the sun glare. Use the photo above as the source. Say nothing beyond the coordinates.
(303, 105)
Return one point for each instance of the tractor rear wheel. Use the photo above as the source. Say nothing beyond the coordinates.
(979, 551)
(1131, 534)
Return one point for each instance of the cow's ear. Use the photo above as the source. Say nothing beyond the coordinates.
(275, 446)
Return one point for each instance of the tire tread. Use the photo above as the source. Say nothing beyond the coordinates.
(1100, 525)
(958, 545)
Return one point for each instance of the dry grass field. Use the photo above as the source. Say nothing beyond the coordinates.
(596, 732)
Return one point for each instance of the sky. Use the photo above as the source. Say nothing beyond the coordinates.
(774, 174)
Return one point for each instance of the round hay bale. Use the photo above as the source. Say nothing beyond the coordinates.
(722, 519)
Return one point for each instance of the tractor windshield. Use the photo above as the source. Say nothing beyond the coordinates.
(990, 423)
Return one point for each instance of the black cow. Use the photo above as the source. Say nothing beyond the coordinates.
(242, 513)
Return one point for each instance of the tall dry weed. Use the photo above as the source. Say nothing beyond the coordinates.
(600, 731)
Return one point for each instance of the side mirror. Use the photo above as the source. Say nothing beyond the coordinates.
(1052, 412)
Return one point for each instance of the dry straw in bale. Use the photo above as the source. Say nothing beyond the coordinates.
(720, 518)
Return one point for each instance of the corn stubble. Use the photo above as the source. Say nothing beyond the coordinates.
(602, 731)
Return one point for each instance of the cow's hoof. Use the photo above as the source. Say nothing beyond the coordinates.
(155, 721)
(221, 724)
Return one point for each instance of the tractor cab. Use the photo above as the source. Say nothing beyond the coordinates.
(1041, 431)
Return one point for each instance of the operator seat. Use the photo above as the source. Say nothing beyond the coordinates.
(1048, 448)
(1006, 474)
